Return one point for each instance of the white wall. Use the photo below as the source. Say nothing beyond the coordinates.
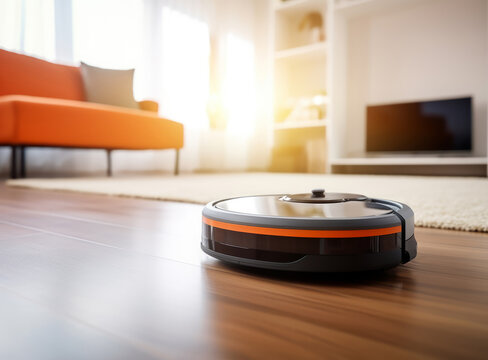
(425, 50)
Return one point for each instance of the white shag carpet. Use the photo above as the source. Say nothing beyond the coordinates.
(438, 202)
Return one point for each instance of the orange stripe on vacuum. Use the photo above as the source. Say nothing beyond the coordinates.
(300, 232)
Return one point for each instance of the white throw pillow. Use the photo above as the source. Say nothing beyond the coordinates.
(108, 86)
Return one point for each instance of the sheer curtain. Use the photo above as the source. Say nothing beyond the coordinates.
(175, 67)
(187, 40)
(28, 26)
(246, 48)
(108, 33)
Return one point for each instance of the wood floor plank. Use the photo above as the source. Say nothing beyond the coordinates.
(90, 207)
(12, 231)
(133, 269)
(154, 302)
(176, 238)
(30, 331)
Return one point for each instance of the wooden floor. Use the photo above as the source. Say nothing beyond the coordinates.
(94, 277)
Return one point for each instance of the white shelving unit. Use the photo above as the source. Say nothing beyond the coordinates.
(302, 72)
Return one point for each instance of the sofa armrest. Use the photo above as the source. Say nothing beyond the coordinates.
(148, 105)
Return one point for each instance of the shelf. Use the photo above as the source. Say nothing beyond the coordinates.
(367, 7)
(300, 124)
(355, 4)
(306, 51)
(412, 160)
(291, 7)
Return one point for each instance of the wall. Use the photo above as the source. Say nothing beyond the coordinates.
(422, 50)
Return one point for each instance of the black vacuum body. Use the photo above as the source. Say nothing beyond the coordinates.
(314, 232)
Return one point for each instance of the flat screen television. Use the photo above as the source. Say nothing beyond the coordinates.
(425, 126)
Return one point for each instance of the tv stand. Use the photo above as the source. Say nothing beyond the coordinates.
(412, 165)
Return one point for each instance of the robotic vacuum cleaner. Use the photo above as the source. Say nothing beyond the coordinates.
(315, 232)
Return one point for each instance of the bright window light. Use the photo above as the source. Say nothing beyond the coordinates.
(28, 26)
(10, 24)
(108, 33)
(184, 68)
(239, 85)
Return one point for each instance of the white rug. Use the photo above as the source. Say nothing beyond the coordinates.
(438, 202)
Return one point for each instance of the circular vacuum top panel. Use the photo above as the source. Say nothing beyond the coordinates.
(310, 206)
(320, 196)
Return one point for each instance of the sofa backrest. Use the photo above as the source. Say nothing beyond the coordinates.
(27, 75)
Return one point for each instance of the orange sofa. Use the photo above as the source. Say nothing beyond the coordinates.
(43, 104)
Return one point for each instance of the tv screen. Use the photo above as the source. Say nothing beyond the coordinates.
(427, 126)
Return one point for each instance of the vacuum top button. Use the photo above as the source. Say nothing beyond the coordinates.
(318, 193)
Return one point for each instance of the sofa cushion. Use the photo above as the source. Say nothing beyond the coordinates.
(27, 75)
(107, 86)
(32, 120)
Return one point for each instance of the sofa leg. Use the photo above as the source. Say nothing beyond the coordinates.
(13, 163)
(109, 162)
(177, 162)
(22, 162)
